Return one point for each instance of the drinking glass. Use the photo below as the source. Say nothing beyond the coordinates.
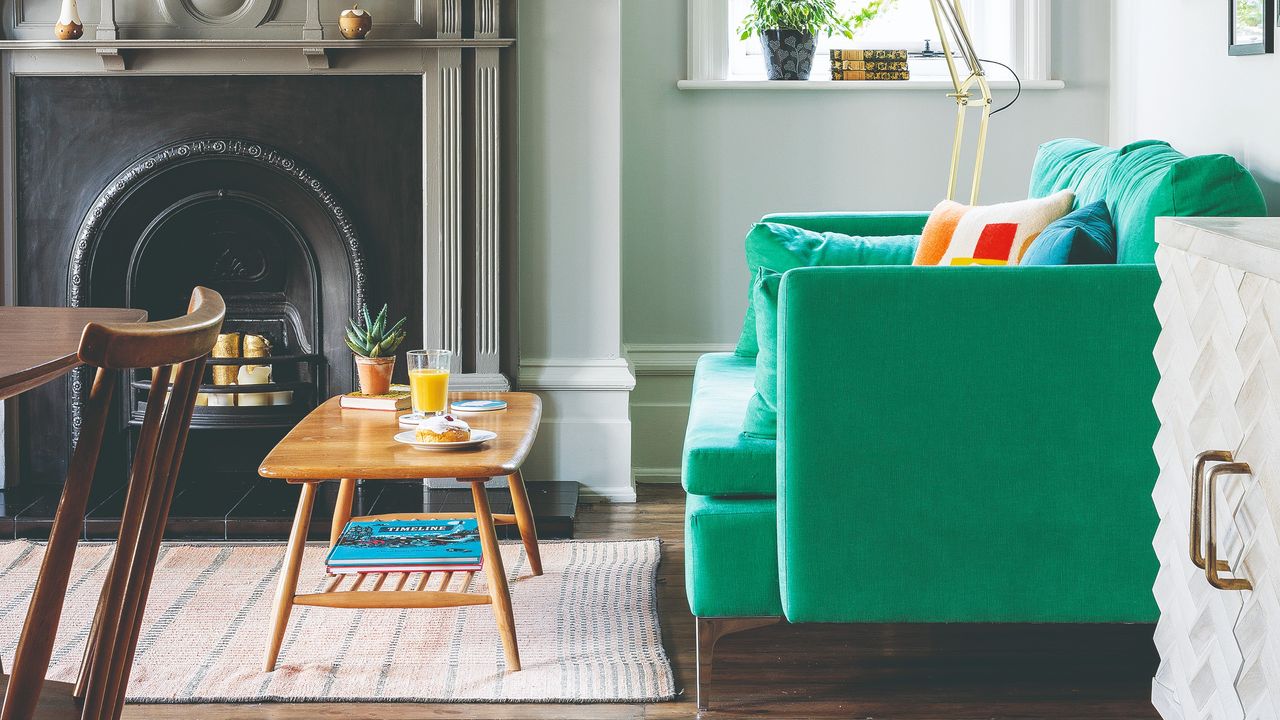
(429, 381)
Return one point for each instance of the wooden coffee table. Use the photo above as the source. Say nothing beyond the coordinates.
(333, 443)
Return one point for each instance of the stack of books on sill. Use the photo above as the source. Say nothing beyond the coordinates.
(407, 546)
(869, 65)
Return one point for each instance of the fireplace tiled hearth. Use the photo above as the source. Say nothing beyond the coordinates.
(298, 185)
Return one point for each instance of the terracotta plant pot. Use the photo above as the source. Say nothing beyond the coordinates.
(375, 374)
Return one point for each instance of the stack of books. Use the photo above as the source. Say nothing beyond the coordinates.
(869, 65)
(406, 546)
(397, 398)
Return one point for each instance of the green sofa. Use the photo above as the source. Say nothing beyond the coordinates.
(966, 444)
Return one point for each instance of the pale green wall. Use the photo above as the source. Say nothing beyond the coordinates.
(698, 167)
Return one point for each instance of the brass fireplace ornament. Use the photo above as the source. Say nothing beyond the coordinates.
(355, 22)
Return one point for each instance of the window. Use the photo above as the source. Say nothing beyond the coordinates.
(1013, 32)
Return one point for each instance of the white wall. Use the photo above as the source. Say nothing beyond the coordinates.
(700, 166)
(1172, 79)
(569, 112)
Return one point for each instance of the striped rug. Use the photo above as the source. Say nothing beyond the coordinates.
(588, 630)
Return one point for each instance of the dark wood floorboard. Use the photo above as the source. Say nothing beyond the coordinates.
(902, 672)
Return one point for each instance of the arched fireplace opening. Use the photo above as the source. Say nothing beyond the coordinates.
(252, 223)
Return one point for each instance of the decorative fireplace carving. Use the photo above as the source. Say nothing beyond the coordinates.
(246, 261)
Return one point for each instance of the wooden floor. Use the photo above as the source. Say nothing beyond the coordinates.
(900, 672)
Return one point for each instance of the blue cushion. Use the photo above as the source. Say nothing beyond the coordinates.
(1083, 237)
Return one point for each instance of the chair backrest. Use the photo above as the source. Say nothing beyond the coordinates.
(1142, 181)
(165, 342)
(175, 350)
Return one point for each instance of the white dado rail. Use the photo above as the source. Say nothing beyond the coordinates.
(1219, 407)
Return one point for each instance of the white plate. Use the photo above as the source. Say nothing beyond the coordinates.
(478, 437)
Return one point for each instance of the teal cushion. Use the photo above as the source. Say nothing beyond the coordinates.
(1083, 237)
(1142, 181)
(718, 458)
(784, 247)
(762, 411)
(731, 557)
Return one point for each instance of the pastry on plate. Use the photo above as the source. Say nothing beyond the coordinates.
(442, 429)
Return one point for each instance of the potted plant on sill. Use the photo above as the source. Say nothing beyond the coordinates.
(788, 30)
(374, 345)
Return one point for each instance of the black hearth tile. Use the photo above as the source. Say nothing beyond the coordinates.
(36, 520)
(398, 497)
(15, 501)
(267, 511)
(455, 500)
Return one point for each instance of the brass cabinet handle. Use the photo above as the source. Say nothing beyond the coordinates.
(1212, 564)
(1197, 498)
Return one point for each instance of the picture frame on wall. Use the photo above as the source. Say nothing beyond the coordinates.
(1251, 27)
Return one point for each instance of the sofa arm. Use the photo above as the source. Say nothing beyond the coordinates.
(868, 224)
(967, 444)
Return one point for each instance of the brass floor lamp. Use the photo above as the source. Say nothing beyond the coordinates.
(954, 33)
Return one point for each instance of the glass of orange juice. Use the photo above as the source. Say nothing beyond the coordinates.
(429, 381)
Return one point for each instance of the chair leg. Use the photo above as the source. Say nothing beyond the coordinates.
(499, 595)
(524, 521)
(710, 630)
(289, 574)
(35, 645)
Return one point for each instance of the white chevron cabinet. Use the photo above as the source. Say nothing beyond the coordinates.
(1218, 400)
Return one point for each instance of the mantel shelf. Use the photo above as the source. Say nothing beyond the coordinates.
(317, 52)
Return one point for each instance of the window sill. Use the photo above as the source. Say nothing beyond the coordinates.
(855, 85)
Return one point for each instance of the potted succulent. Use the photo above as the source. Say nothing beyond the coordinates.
(788, 30)
(374, 343)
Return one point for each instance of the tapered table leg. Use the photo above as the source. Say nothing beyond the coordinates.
(497, 574)
(342, 510)
(289, 574)
(524, 521)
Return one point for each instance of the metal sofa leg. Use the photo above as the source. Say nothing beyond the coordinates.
(710, 630)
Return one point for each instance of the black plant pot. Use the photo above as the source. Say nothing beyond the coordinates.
(788, 54)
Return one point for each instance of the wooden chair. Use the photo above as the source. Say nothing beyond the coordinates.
(176, 351)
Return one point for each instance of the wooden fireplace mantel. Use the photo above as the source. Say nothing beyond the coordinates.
(115, 54)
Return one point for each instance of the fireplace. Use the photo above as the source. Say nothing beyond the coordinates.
(297, 173)
(208, 181)
(258, 226)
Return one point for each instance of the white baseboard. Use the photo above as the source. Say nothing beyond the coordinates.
(657, 475)
(616, 495)
(585, 435)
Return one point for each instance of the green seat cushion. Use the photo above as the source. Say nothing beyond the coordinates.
(1142, 181)
(718, 458)
(731, 556)
(782, 247)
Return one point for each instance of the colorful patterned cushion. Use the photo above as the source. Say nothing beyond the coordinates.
(989, 234)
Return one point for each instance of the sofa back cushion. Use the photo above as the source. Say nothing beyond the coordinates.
(1142, 181)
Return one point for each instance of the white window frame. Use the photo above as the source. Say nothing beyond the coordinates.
(709, 39)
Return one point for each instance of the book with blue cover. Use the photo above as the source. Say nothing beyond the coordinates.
(453, 544)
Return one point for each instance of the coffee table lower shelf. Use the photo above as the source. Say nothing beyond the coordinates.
(421, 594)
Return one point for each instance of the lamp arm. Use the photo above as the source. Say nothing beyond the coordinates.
(954, 29)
